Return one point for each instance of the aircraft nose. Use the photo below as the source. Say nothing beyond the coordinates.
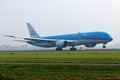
(110, 38)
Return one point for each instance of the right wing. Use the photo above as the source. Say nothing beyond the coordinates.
(27, 40)
(37, 39)
(32, 39)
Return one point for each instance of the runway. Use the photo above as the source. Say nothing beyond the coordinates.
(61, 63)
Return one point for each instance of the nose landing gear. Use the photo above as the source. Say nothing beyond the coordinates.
(104, 45)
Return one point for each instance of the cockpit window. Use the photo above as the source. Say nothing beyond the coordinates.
(105, 34)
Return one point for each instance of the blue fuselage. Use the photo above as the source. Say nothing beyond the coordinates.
(83, 36)
(78, 39)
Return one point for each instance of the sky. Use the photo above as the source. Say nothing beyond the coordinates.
(51, 17)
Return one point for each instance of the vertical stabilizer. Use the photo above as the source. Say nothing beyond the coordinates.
(32, 32)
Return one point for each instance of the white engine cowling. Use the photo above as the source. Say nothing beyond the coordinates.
(90, 45)
(61, 43)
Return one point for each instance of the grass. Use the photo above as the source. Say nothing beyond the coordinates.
(62, 56)
(58, 72)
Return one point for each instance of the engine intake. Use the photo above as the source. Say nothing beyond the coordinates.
(61, 44)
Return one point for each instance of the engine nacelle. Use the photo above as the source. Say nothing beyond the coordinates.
(61, 43)
(90, 45)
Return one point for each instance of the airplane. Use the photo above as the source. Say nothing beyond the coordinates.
(89, 39)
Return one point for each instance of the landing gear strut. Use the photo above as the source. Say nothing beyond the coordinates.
(72, 49)
(104, 45)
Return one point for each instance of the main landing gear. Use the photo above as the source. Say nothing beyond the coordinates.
(73, 48)
(58, 49)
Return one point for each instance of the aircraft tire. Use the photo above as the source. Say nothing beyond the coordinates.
(104, 46)
(72, 49)
(58, 49)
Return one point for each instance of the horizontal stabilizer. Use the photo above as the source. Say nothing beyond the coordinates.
(9, 36)
(20, 40)
(13, 36)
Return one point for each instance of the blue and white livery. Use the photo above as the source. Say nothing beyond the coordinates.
(89, 39)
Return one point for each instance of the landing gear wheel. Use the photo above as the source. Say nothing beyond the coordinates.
(72, 49)
(104, 46)
(58, 49)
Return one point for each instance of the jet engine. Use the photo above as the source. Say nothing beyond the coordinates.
(61, 43)
(90, 45)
